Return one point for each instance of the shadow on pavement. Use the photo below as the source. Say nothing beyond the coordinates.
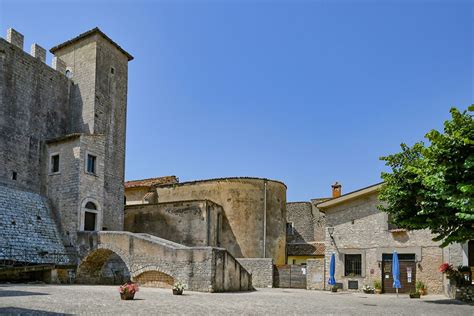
(8, 293)
(448, 302)
(25, 311)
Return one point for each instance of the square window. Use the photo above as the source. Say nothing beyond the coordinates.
(91, 163)
(352, 265)
(54, 163)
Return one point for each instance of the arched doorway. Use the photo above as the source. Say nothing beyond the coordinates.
(90, 215)
(102, 266)
(155, 279)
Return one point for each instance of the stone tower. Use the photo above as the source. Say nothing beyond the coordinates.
(98, 68)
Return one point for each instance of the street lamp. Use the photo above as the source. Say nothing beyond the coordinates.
(331, 232)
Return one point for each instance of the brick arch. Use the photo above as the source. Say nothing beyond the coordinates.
(154, 278)
(153, 268)
(90, 269)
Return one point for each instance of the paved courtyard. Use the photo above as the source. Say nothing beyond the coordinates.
(79, 299)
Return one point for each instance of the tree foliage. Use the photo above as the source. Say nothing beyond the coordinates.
(432, 186)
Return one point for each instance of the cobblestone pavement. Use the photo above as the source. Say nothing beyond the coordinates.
(94, 300)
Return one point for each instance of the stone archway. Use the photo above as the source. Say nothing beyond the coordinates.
(155, 278)
(103, 266)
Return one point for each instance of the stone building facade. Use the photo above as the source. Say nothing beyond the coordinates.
(191, 223)
(363, 240)
(304, 232)
(254, 211)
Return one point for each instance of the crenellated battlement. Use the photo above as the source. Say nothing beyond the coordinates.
(17, 39)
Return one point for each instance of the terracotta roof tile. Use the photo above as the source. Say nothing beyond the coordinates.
(151, 181)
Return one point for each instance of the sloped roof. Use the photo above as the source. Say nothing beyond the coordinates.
(310, 249)
(349, 196)
(151, 182)
(93, 31)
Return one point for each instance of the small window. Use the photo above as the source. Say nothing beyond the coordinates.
(54, 163)
(14, 175)
(112, 70)
(89, 221)
(353, 265)
(290, 229)
(91, 163)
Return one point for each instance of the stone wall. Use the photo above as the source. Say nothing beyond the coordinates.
(301, 216)
(72, 187)
(243, 201)
(191, 223)
(360, 228)
(261, 270)
(27, 228)
(315, 274)
(34, 106)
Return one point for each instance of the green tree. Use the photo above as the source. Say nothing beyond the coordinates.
(432, 186)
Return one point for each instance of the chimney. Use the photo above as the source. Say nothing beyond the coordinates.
(336, 190)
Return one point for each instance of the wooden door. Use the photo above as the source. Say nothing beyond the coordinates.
(290, 276)
(407, 276)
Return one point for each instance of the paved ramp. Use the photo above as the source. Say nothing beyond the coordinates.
(204, 269)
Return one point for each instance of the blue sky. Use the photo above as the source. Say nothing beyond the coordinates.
(306, 92)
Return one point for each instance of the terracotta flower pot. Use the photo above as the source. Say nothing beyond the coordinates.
(378, 291)
(127, 296)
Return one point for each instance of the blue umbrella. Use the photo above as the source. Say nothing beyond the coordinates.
(332, 270)
(396, 272)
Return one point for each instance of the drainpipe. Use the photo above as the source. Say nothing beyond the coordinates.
(265, 219)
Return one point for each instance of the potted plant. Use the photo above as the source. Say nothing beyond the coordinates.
(453, 275)
(334, 288)
(367, 289)
(178, 288)
(465, 274)
(378, 286)
(414, 295)
(127, 291)
(420, 287)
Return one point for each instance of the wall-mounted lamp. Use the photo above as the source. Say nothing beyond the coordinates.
(331, 232)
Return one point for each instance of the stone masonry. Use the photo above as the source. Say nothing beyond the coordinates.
(75, 110)
(204, 269)
(360, 228)
(261, 270)
(305, 231)
(28, 231)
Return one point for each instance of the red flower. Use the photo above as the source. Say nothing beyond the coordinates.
(128, 287)
(445, 268)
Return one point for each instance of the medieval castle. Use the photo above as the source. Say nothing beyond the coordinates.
(66, 214)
